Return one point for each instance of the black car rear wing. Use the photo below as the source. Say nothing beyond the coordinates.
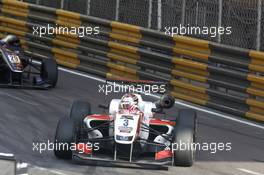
(133, 81)
(161, 85)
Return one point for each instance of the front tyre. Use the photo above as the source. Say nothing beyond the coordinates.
(49, 71)
(184, 153)
(79, 110)
(64, 138)
(187, 117)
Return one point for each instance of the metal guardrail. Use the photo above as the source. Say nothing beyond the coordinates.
(222, 77)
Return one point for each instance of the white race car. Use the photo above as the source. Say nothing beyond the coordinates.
(129, 133)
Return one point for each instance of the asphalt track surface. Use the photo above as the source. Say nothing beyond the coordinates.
(29, 116)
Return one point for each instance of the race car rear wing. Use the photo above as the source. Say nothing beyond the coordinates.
(17, 86)
(132, 81)
(161, 87)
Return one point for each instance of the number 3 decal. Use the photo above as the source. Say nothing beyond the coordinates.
(125, 122)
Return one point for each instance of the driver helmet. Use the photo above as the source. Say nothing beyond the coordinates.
(129, 101)
(12, 40)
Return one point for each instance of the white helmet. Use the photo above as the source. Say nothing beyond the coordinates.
(128, 100)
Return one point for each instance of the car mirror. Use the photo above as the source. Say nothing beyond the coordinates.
(103, 106)
(157, 110)
(167, 101)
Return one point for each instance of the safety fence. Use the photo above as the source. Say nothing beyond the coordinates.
(244, 16)
(222, 77)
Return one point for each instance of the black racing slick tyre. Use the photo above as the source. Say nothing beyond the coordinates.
(183, 150)
(187, 118)
(64, 138)
(49, 71)
(79, 110)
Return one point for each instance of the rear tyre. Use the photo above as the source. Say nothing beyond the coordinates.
(49, 71)
(64, 137)
(183, 154)
(79, 110)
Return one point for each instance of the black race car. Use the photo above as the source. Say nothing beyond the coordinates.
(19, 70)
